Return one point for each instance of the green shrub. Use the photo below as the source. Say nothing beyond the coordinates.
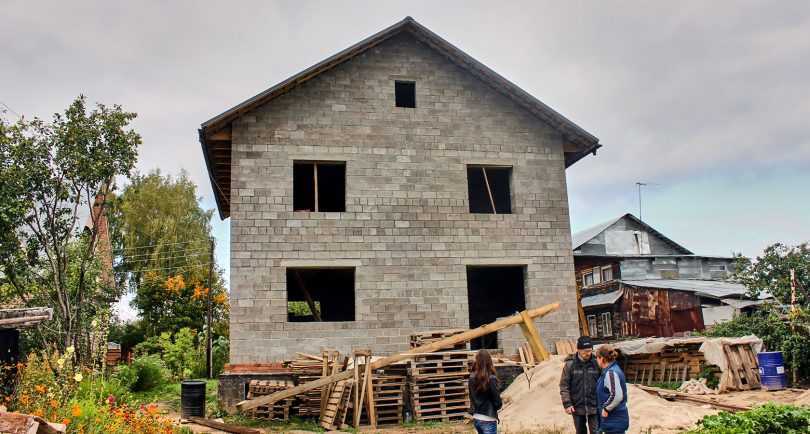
(767, 419)
(143, 374)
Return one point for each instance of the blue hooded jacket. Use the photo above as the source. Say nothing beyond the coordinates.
(613, 397)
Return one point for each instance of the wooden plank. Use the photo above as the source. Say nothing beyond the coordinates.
(315, 312)
(489, 190)
(372, 411)
(533, 337)
(315, 186)
(381, 363)
(227, 427)
(672, 394)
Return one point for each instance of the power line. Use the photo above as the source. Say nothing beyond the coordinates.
(198, 240)
(170, 258)
(166, 268)
(140, 255)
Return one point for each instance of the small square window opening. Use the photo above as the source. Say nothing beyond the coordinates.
(405, 94)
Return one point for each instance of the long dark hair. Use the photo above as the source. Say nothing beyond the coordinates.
(482, 370)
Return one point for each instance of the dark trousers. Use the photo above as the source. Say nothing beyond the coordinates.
(485, 427)
(585, 424)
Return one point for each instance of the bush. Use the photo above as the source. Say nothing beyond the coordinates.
(143, 374)
(767, 419)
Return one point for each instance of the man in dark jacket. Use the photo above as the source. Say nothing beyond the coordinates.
(578, 386)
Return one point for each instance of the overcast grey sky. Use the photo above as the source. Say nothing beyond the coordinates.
(708, 99)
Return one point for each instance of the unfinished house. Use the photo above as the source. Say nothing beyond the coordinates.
(634, 281)
(398, 186)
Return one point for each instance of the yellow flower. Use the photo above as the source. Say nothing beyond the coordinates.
(61, 362)
(75, 410)
(78, 377)
(70, 349)
(65, 421)
(40, 388)
(24, 399)
(54, 403)
(220, 298)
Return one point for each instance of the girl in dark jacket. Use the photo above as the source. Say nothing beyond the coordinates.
(611, 393)
(484, 395)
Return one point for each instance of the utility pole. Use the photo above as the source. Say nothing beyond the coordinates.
(208, 339)
(640, 184)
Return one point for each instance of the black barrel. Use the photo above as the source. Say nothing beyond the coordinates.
(192, 398)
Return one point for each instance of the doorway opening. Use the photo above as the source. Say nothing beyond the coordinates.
(494, 292)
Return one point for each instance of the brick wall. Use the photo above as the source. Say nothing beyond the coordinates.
(407, 227)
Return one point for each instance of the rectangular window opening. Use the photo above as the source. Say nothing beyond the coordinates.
(492, 293)
(320, 294)
(489, 189)
(587, 279)
(607, 274)
(319, 186)
(592, 326)
(405, 94)
(607, 324)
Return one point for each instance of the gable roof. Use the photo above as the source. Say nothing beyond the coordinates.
(582, 237)
(215, 135)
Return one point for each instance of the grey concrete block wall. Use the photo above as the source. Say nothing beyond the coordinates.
(407, 227)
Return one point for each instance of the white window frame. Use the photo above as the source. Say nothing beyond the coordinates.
(597, 276)
(585, 279)
(609, 269)
(607, 323)
(592, 325)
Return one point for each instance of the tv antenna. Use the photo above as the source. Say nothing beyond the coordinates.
(640, 184)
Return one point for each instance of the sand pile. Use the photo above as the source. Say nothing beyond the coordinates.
(539, 407)
(804, 399)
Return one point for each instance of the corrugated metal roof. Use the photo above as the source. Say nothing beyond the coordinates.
(583, 236)
(742, 304)
(601, 299)
(708, 288)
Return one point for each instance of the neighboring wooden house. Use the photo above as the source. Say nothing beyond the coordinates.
(635, 281)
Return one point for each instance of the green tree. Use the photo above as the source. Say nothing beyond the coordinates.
(161, 239)
(51, 175)
(771, 272)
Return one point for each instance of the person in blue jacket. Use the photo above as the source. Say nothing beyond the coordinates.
(611, 393)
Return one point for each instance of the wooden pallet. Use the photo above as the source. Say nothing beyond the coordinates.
(566, 347)
(281, 410)
(389, 400)
(333, 417)
(441, 363)
(743, 370)
(424, 338)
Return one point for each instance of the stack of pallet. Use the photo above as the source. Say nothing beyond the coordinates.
(674, 363)
(389, 399)
(308, 368)
(438, 385)
(424, 338)
(743, 369)
(281, 410)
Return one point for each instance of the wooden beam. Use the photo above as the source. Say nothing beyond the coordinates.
(236, 429)
(372, 411)
(311, 303)
(447, 342)
(315, 185)
(489, 190)
(223, 135)
(532, 336)
(583, 321)
(673, 394)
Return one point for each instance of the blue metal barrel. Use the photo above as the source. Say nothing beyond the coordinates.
(772, 370)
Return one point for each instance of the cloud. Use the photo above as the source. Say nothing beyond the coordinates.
(673, 90)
